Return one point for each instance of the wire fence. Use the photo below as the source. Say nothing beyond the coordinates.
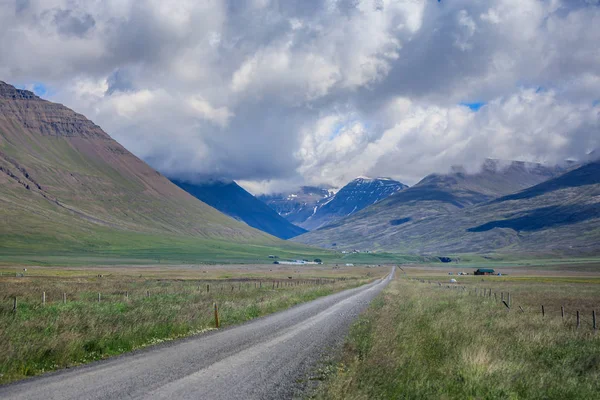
(575, 318)
(11, 301)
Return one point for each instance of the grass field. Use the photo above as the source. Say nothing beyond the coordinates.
(114, 248)
(140, 306)
(427, 341)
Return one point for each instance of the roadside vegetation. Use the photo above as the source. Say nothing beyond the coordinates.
(138, 307)
(420, 340)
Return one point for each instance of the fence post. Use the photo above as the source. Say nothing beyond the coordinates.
(64, 298)
(501, 296)
(508, 299)
(207, 288)
(147, 293)
(99, 297)
(543, 313)
(562, 312)
(15, 304)
(127, 295)
(43, 298)
(216, 316)
(594, 320)
(578, 320)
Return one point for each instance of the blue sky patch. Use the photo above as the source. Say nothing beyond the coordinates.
(336, 130)
(475, 106)
(36, 87)
(40, 89)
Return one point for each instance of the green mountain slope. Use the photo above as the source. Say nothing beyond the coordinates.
(442, 214)
(66, 187)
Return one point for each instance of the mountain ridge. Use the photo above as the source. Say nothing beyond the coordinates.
(437, 197)
(233, 200)
(299, 205)
(333, 205)
(359, 193)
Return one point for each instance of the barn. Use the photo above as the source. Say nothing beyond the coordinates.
(484, 271)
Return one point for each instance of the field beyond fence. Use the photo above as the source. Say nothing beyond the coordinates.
(582, 315)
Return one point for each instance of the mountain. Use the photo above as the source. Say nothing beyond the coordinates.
(298, 206)
(66, 187)
(314, 207)
(231, 199)
(356, 195)
(558, 217)
(414, 220)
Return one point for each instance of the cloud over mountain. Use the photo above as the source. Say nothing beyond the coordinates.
(317, 91)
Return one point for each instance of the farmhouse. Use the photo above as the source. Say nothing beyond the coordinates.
(484, 271)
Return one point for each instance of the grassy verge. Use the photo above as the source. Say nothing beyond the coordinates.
(133, 312)
(426, 342)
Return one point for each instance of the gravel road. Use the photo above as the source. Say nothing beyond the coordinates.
(268, 358)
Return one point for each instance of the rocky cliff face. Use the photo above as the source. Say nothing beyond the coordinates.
(44, 117)
(10, 92)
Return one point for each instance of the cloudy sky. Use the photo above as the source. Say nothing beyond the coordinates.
(280, 93)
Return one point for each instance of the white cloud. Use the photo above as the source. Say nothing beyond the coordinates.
(277, 93)
(204, 109)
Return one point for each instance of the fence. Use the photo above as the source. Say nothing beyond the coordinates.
(505, 299)
(229, 286)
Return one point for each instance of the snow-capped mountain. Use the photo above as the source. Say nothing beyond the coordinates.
(312, 208)
(356, 195)
(297, 206)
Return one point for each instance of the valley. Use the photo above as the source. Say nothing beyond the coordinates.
(325, 199)
(102, 256)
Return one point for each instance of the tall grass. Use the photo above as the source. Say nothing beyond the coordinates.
(39, 338)
(422, 342)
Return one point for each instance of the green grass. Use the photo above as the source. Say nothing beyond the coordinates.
(39, 338)
(419, 341)
(107, 246)
(504, 260)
